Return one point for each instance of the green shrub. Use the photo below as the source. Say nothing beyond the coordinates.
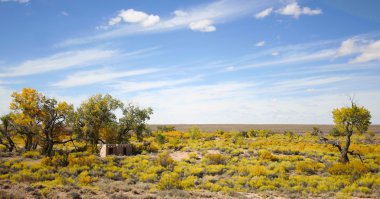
(161, 139)
(195, 133)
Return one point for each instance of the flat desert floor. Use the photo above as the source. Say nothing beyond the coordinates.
(296, 128)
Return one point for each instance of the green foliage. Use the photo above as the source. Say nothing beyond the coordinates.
(165, 128)
(161, 139)
(133, 120)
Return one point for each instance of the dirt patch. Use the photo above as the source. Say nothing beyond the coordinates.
(179, 156)
(213, 151)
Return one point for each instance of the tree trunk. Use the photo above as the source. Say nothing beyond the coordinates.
(11, 144)
(344, 157)
(344, 152)
(29, 142)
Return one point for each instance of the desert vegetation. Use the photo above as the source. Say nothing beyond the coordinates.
(49, 149)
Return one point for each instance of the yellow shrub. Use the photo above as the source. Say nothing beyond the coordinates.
(110, 175)
(195, 170)
(148, 177)
(216, 159)
(169, 181)
(258, 181)
(354, 167)
(257, 170)
(212, 187)
(31, 154)
(165, 160)
(188, 182)
(84, 178)
(214, 169)
(23, 176)
(83, 160)
(267, 155)
(309, 167)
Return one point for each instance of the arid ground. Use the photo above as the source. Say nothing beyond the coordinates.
(295, 128)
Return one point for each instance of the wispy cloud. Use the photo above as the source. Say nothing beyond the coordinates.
(217, 12)
(127, 86)
(17, 1)
(204, 25)
(83, 78)
(264, 13)
(59, 61)
(260, 44)
(234, 102)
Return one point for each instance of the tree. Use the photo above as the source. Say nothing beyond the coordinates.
(133, 120)
(353, 119)
(93, 115)
(5, 133)
(27, 114)
(54, 120)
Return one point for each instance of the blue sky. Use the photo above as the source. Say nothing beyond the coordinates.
(228, 61)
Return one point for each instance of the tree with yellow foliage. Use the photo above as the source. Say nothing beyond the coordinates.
(350, 120)
(26, 115)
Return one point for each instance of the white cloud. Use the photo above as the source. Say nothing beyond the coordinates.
(347, 47)
(114, 21)
(235, 102)
(293, 9)
(367, 50)
(180, 13)
(134, 17)
(204, 25)
(5, 99)
(151, 20)
(275, 53)
(371, 52)
(18, 1)
(58, 61)
(309, 11)
(83, 78)
(64, 13)
(230, 68)
(218, 12)
(260, 44)
(264, 13)
(127, 87)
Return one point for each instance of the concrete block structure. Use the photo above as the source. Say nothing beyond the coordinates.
(115, 149)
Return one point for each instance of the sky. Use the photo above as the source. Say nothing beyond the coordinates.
(199, 61)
